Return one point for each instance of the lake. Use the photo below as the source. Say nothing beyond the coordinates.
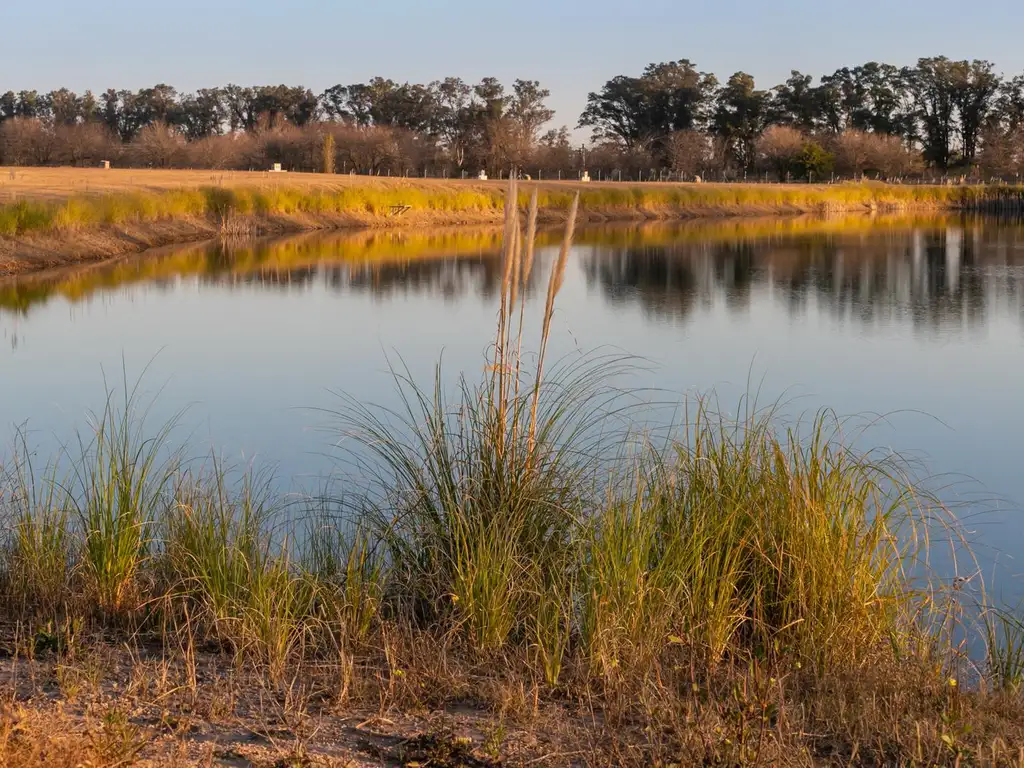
(917, 319)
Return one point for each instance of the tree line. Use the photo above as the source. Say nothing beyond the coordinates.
(939, 116)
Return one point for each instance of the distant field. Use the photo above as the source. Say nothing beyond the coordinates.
(55, 184)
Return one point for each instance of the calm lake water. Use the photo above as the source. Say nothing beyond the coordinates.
(922, 320)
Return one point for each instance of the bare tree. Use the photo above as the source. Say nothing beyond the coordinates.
(854, 151)
(84, 144)
(1002, 152)
(779, 147)
(158, 146)
(232, 151)
(25, 141)
(689, 152)
(890, 157)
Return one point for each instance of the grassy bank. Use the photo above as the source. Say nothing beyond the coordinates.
(223, 203)
(497, 582)
(85, 214)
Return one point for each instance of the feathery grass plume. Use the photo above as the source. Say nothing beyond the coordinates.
(531, 239)
(525, 268)
(478, 497)
(554, 284)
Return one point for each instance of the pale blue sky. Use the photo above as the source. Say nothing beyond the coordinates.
(571, 46)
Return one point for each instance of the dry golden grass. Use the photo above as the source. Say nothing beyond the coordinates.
(56, 184)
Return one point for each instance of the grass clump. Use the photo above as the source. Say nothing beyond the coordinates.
(214, 543)
(40, 551)
(121, 476)
(734, 539)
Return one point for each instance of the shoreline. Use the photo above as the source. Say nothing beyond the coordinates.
(60, 226)
(39, 253)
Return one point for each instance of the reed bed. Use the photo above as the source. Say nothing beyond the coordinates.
(494, 525)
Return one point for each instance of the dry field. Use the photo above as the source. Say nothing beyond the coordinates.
(54, 184)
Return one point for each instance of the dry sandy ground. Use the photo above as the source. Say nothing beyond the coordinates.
(108, 705)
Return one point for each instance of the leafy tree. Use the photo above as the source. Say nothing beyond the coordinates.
(454, 117)
(240, 103)
(642, 111)
(527, 108)
(974, 87)
(1009, 104)
(931, 84)
(740, 117)
(493, 100)
(30, 104)
(65, 107)
(334, 103)
(201, 114)
(797, 103)
(814, 162)
(8, 106)
(871, 97)
(89, 108)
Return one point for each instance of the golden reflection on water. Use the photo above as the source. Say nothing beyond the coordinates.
(783, 244)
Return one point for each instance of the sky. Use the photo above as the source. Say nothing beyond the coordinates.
(571, 46)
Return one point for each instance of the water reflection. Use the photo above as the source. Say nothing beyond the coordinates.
(930, 276)
(938, 275)
(939, 279)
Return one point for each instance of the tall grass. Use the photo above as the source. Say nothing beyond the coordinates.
(521, 517)
(478, 497)
(120, 477)
(736, 538)
(1004, 639)
(41, 549)
(214, 541)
